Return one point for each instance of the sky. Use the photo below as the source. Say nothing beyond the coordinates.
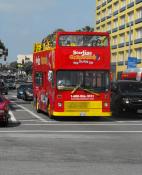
(22, 23)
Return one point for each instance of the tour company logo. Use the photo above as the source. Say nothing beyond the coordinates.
(84, 57)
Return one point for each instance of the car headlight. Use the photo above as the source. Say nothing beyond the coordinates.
(20, 92)
(126, 100)
(29, 93)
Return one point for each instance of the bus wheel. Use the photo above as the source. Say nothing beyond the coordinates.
(37, 106)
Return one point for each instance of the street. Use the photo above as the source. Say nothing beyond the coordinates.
(36, 144)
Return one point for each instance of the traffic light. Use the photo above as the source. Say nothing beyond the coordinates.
(5, 52)
(4, 57)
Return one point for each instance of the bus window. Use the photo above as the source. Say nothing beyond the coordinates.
(39, 78)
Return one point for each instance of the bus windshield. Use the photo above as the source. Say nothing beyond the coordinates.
(83, 40)
(96, 81)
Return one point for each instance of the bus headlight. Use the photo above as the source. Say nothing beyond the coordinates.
(105, 104)
(59, 104)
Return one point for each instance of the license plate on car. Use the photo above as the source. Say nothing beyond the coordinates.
(83, 114)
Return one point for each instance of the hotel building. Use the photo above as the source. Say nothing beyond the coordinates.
(123, 20)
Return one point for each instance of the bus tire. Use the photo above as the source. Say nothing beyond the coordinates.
(37, 106)
(49, 111)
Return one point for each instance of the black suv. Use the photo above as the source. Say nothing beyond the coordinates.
(126, 96)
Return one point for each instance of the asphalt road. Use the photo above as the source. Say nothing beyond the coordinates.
(35, 144)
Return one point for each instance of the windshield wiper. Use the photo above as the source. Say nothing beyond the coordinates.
(79, 87)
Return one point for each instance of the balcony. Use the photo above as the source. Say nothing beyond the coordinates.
(121, 45)
(120, 63)
(97, 22)
(129, 24)
(122, 27)
(115, 13)
(138, 1)
(138, 20)
(104, 3)
(122, 9)
(130, 5)
(114, 30)
(103, 19)
(98, 7)
(127, 43)
(139, 40)
(114, 47)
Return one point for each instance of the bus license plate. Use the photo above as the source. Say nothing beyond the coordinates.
(82, 114)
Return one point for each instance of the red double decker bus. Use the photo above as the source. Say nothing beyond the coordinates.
(71, 74)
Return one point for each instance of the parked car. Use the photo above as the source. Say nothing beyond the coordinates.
(3, 88)
(28, 93)
(126, 96)
(24, 91)
(4, 108)
(11, 84)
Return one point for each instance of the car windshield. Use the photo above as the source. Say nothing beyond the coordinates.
(23, 86)
(9, 81)
(130, 87)
(92, 80)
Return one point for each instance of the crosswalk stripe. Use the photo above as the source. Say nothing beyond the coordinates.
(12, 117)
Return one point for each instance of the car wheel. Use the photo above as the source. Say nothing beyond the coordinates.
(5, 122)
(117, 111)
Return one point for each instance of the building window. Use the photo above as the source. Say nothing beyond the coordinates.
(123, 3)
(130, 17)
(109, 11)
(116, 6)
(115, 40)
(129, 34)
(122, 38)
(103, 28)
(139, 33)
(115, 23)
(122, 20)
(139, 13)
(139, 53)
(99, 2)
(114, 57)
(109, 26)
(104, 13)
(98, 16)
(121, 56)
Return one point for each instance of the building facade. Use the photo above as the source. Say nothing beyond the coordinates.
(21, 59)
(123, 20)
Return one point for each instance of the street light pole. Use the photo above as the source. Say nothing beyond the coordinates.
(129, 49)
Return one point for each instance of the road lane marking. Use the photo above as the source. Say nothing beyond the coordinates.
(12, 117)
(18, 110)
(82, 124)
(67, 131)
(32, 113)
(30, 120)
